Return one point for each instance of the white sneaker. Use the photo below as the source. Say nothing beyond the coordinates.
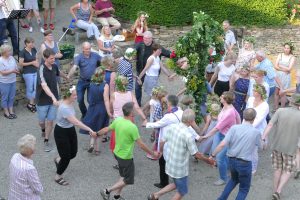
(42, 30)
(30, 29)
(219, 182)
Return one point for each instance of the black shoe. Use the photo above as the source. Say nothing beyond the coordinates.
(116, 167)
(158, 185)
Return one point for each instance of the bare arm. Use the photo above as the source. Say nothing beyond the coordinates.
(138, 109)
(219, 148)
(148, 64)
(276, 66)
(25, 64)
(181, 92)
(106, 100)
(214, 76)
(206, 125)
(7, 72)
(73, 9)
(210, 133)
(267, 131)
(49, 93)
(144, 147)
(92, 13)
(72, 71)
(79, 124)
(232, 81)
(63, 75)
(112, 82)
(164, 69)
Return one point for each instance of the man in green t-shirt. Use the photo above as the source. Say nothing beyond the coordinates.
(126, 135)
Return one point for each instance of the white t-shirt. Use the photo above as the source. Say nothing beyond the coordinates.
(1, 13)
(262, 111)
(107, 43)
(155, 67)
(225, 72)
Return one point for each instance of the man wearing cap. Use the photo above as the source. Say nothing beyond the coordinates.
(87, 62)
(125, 67)
(283, 142)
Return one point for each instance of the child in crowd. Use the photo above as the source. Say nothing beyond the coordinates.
(156, 103)
(211, 122)
(32, 5)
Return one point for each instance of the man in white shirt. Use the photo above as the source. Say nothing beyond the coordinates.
(10, 26)
(230, 40)
(173, 116)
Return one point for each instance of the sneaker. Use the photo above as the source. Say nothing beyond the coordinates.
(104, 195)
(43, 134)
(47, 147)
(297, 174)
(30, 29)
(219, 182)
(42, 30)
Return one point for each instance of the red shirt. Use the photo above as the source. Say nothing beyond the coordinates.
(100, 5)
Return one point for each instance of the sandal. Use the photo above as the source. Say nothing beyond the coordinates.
(51, 26)
(14, 116)
(91, 149)
(25, 26)
(45, 27)
(62, 182)
(31, 107)
(105, 139)
(8, 116)
(276, 196)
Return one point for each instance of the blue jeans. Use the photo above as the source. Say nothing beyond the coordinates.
(241, 173)
(10, 26)
(47, 112)
(181, 185)
(8, 93)
(272, 90)
(82, 86)
(221, 157)
(30, 82)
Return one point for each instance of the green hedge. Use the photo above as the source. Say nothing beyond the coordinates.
(179, 12)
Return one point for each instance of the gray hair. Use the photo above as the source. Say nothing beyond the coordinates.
(86, 44)
(148, 34)
(5, 48)
(226, 22)
(249, 114)
(26, 144)
(188, 116)
(261, 53)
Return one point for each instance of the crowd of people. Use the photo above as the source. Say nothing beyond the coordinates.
(236, 109)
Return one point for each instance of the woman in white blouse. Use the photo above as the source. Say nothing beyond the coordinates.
(259, 103)
(223, 73)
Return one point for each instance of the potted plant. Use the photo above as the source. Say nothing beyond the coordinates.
(67, 50)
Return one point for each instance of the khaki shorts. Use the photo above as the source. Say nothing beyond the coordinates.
(49, 4)
(283, 161)
(108, 21)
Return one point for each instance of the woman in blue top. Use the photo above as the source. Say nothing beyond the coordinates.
(84, 17)
(98, 113)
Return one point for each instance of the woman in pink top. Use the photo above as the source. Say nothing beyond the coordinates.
(227, 118)
(118, 99)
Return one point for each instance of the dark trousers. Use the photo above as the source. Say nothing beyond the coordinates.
(67, 146)
(164, 178)
(138, 91)
(241, 173)
(8, 24)
(82, 87)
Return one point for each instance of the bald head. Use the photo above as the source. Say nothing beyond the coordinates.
(86, 48)
(148, 38)
(188, 116)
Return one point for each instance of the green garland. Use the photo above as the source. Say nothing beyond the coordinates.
(205, 33)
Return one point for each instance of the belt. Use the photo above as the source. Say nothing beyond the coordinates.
(244, 94)
(239, 159)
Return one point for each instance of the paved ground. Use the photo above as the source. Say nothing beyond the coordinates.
(87, 174)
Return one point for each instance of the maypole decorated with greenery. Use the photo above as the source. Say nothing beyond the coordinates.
(206, 34)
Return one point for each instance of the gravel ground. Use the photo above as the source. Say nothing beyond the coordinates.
(87, 174)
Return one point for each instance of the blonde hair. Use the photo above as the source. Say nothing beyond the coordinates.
(137, 23)
(5, 48)
(260, 72)
(230, 56)
(26, 144)
(108, 62)
(102, 31)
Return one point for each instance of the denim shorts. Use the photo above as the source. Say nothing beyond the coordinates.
(46, 112)
(181, 185)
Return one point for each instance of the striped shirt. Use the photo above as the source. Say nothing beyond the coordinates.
(125, 69)
(24, 180)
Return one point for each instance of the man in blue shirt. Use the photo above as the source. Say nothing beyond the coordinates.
(241, 140)
(266, 65)
(87, 62)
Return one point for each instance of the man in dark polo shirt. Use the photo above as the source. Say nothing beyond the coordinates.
(87, 62)
(47, 95)
(144, 51)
